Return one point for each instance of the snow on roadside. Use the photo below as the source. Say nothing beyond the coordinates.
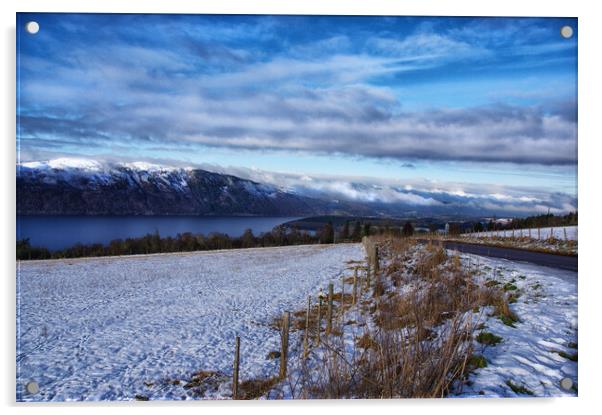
(114, 328)
(529, 239)
(533, 356)
(544, 233)
(529, 353)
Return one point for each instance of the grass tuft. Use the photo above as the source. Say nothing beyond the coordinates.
(366, 342)
(476, 362)
(519, 389)
(570, 356)
(508, 320)
(510, 287)
(488, 338)
(256, 388)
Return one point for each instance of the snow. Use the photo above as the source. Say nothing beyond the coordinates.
(81, 165)
(530, 239)
(150, 167)
(71, 170)
(64, 163)
(528, 354)
(544, 233)
(112, 328)
(260, 189)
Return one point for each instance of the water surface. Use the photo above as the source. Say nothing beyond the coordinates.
(58, 232)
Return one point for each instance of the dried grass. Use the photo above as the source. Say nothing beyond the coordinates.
(395, 364)
(423, 337)
(256, 388)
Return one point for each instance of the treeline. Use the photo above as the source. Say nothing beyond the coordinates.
(538, 221)
(544, 221)
(152, 243)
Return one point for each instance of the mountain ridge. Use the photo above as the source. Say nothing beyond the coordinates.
(86, 187)
(70, 186)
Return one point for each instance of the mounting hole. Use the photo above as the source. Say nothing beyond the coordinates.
(32, 387)
(566, 32)
(32, 27)
(566, 384)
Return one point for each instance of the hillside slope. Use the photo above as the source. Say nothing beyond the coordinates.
(68, 188)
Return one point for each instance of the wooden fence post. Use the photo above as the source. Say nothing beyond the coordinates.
(236, 369)
(368, 275)
(319, 321)
(538, 234)
(376, 261)
(284, 344)
(565, 238)
(306, 337)
(354, 288)
(529, 233)
(343, 301)
(329, 310)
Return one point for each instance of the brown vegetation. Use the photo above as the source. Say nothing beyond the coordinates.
(421, 344)
(256, 388)
(418, 319)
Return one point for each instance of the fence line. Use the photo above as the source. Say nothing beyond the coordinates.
(285, 322)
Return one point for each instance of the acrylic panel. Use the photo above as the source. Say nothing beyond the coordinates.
(295, 207)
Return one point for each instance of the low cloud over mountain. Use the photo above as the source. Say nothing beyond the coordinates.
(83, 186)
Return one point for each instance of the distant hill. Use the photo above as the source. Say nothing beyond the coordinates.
(82, 187)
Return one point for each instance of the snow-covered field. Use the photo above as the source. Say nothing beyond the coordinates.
(118, 328)
(114, 328)
(544, 233)
(528, 354)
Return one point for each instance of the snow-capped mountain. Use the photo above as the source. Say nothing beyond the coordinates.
(69, 186)
(87, 187)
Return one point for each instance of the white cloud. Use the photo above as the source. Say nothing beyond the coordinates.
(316, 98)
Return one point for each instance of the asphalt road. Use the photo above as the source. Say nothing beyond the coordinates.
(539, 258)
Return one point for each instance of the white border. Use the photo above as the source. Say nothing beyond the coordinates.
(590, 288)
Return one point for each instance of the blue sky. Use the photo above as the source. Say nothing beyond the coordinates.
(480, 108)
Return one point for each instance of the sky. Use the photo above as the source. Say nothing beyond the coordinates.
(482, 110)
